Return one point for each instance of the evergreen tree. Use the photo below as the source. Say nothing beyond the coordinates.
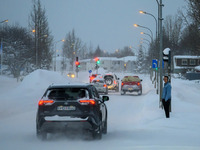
(17, 50)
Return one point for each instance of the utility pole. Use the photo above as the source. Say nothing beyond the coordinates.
(161, 47)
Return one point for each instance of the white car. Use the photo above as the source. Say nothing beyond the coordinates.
(100, 85)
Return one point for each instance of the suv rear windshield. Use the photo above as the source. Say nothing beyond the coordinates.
(108, 76)
(97, 81)
(66, 94)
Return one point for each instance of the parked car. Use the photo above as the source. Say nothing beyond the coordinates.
(131, 84)
(100, 85)
(71, 107)
(112, 82)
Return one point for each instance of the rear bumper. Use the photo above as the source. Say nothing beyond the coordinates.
(52, 126)
(60, 123)
(112, 87)
(131, 89)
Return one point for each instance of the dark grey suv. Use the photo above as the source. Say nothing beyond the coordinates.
(71, 107)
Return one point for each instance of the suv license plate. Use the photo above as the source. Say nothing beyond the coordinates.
(66, 108)
(130, 88)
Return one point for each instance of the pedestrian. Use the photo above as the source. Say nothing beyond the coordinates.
(166, 96)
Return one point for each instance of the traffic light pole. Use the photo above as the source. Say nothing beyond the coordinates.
(161, 51)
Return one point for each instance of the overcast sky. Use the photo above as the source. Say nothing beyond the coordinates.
(107, 23)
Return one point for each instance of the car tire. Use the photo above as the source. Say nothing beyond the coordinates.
(104, 131)
(42, 135)
(140, 92)
(123, 92)
(106, 92)
(117, 89)
(97, 134)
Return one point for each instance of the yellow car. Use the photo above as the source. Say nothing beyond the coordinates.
(71, 75)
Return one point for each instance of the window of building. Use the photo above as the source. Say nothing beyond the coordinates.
(192, 62)
(184, 62)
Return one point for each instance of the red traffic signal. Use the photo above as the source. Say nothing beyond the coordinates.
(77, 63)
(96, 59)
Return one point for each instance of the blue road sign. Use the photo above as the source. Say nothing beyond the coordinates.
(154, 63)
(90, 71)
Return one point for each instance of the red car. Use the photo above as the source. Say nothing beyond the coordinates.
(131, 84)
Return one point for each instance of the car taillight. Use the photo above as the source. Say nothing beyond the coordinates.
(87, 102)
(138, 83)
(91, 78)
(45, 102)
(115, 82)
(105, 85)
(122, 83)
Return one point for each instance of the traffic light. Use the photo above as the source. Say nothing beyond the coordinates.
(167, 55)
(77, 63)
(97, 60)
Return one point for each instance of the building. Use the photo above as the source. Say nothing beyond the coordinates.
(184, 63)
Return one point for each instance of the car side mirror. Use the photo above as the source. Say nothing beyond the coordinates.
(105, 98)
(141, 80)
(118, 78)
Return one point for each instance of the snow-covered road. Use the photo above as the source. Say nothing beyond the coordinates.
(134, 122)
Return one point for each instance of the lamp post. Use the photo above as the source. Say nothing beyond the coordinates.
(36, 46)
(55, 44)
(146, 40)
(148, 35)
(144, 12)
(137, 25)
(160, 33)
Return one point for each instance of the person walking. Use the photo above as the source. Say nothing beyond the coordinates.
(166, 96)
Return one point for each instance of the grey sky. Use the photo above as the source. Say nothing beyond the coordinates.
(107, 23)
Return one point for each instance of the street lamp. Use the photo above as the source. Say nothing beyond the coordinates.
(148, 35)
(54, 66)
(146, 40)
(4, 21)
(146, 13)
(136, 25)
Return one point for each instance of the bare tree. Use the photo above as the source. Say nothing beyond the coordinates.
(172, 29)
(71, 47)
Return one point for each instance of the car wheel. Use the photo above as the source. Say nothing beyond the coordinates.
(97, 133)
(106, 91)
(123, 92)
(117, 89)
(42, 135)
(140, 92)
(105, 127)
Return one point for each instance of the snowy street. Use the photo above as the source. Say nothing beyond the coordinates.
(134, 122)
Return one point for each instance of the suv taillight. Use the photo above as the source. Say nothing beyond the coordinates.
(87, 102)
(105, 85)
(138, 83)
(115, 82)
(122, 84)
(45, 102)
